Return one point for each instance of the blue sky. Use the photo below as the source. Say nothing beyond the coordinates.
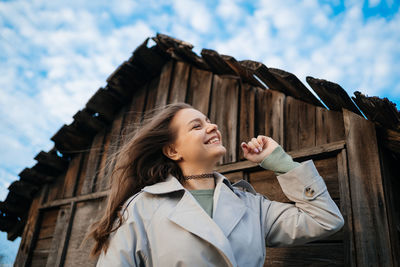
(56, 54)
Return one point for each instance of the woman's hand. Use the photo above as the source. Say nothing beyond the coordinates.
(258, 148)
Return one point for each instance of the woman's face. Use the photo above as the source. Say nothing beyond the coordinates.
(198, 140)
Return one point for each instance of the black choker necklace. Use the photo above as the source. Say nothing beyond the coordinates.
(197, 176)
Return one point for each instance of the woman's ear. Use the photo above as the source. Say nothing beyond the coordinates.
(170, 152)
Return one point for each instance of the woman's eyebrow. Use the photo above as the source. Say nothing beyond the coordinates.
(197, 119)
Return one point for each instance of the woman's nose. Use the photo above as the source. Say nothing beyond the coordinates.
(212, 127)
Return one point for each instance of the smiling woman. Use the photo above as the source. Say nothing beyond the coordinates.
(168, 206)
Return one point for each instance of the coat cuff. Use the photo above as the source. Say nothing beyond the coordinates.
(302, 182)
(279, 161)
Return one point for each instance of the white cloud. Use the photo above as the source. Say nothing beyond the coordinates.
(193, 13)
(373, 3)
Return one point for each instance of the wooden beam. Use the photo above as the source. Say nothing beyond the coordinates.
(68, 139)
(66, 201)
(148, 59)
(245, 75)
(217, 63)
(52, 160)
(299, 154)
(126, 79)
(23, 189)
(371, 231)
(262, 72)
(105, 103)
(32, 176)
(87, 122)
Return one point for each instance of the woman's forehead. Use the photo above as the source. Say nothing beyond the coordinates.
(184, 116)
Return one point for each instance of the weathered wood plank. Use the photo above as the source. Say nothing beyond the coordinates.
(300, 124)
(44, 241)
(179, 82)
(151, 94)
(274, 116)
(199, 89)
(60, 235)
(371, 230)
(93, 163)
(312, 254)
(82, 174)
(329, 126)
(110, 147)
(332, 94)
(247, 115)
(31, 231)
(291, 124)
(164, 84)
(39, 258)
(306, 125)
(391, 184)
(346, 210)
(135, 110)
(56, 188)
(225, 92)
(86, 213)
(71, 176)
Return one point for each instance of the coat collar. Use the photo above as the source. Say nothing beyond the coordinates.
(171, 184)
(228, 210)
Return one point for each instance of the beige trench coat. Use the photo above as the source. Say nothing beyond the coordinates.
(166, 226)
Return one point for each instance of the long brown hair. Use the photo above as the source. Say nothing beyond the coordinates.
(138, 162)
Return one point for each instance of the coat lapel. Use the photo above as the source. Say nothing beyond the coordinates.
(228, 207)
(189, 215)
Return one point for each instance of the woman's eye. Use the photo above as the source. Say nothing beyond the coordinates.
(197, 125)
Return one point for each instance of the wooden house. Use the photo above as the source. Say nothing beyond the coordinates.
(354, 142)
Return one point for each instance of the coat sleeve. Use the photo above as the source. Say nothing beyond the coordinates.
(128, 244)
(314, 214)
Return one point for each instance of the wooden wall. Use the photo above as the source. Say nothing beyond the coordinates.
(61, 214)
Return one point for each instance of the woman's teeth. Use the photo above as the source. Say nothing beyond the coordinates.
(213, 141)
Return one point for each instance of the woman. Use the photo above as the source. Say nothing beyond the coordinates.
(168, 207)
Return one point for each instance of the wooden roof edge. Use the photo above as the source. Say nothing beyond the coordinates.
(332, 94)
(379, 110)
(295, 86)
